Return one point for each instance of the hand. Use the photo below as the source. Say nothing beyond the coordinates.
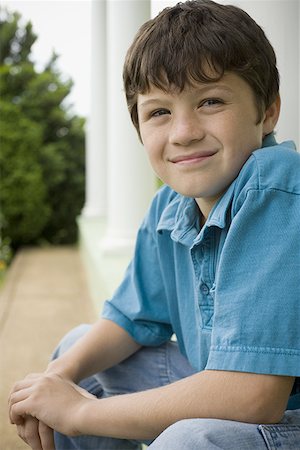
(36, 434)
(52, 400)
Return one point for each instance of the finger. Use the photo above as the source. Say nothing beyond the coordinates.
(16, 388)
(19, 411)
(16, 395)
(26, 382)
(17, 420)
(30, 433)
(46, 437)
(21, 431)
(29, 377)
(16, 398)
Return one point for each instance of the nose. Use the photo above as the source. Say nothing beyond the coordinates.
(185, 129)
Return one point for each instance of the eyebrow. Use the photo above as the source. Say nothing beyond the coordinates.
(201, 90)
(149, 102)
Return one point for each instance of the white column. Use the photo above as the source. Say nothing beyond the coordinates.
(96, 132)
(280, 21)
(130, 178)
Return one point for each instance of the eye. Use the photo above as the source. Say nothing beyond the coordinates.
(212, 102)
(159, 112)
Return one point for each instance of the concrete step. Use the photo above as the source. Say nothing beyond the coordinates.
(45, 295)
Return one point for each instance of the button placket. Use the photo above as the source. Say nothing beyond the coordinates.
(205, 301)
(204, 289)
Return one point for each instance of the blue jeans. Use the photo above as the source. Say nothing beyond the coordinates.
(152, 367)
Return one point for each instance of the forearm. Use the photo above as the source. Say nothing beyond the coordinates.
(105, 345)
(224, 395)
(209, 394)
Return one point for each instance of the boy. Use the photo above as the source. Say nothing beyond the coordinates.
(217, 262)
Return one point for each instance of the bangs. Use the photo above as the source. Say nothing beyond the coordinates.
(170, 60)
(198, 41)
(166, 77)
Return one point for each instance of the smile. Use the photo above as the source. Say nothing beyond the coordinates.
(192, 159)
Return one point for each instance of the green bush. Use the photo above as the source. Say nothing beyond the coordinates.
(42, 149)
(63, 165)
(23, 191)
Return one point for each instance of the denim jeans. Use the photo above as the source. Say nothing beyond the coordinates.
(151, 367)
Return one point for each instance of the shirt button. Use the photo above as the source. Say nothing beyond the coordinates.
(204, 289)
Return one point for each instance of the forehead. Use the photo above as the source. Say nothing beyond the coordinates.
(229, 84)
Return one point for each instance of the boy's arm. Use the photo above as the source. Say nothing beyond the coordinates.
(105, 345)
(244, 397)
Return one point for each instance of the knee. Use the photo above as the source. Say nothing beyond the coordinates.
(208, 434)
(69, 339)
(176, 437)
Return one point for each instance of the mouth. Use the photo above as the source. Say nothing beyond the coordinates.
(193, 158)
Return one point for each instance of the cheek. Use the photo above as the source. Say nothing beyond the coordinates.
(253, 140)
(153, 144)
(153, 154)
(150, 149)
(247, 136)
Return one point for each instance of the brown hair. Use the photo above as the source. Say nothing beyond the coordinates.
(193, 40)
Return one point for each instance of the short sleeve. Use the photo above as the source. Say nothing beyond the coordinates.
(139, 305)
(256, 326)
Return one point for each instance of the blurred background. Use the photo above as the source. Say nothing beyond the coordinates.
(44, 102)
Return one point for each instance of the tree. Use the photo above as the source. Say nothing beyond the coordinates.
(42, 143)
(23, 191)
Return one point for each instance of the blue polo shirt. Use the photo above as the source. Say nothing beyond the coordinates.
(230, 290)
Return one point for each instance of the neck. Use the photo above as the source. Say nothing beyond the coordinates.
(206, 205)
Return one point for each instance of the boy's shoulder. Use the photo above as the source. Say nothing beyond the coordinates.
(275, 167)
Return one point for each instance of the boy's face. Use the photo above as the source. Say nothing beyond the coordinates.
(198, 139)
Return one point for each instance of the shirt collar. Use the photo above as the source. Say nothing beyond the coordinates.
(181, 217)
(269, 140)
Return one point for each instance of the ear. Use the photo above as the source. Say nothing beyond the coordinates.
(271, 116)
